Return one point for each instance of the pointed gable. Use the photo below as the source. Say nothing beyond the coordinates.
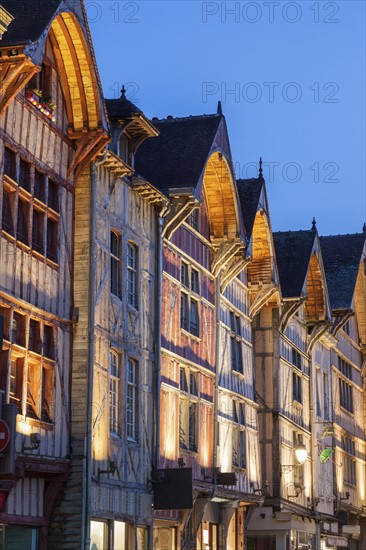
(250, 192)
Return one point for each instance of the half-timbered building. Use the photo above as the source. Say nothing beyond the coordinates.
(52, 124)
(208, 420)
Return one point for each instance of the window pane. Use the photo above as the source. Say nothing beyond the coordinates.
(115, 265)
(131, 399)
(120, 535)
(7, 214)
(24, 174)
(53, 195)
(113, 392)
(193, 426)
(132, 275)
(34, 341)
(47, 394)
(37, 232)
(48, 342)
(195, 281)
(194, 320)
(9, 163)
(184, 274)
(22, 223)
(52, 240)
(98, 535)
(39, 185)
(184, 314)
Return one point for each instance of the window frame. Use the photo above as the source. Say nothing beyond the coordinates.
(236, 343)
(239, 439)
(132, 428)
(189, 400)
(190, 299)
(132, 275)
(115, 263)
(114, 391)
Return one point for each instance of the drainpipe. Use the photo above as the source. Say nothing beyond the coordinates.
(159, 293)
(217, 371)
(88, 470)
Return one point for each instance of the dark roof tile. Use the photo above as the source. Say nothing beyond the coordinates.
(293, 250)
(341, 257)
(177, 157)
(31, 17)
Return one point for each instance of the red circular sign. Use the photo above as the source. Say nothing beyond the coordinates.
(4, 435)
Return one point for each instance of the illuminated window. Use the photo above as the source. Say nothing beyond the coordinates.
(114, 389)
(239, 435)
(188, 409)
(349, 468)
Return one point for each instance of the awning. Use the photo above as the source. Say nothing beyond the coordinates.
(337, 541)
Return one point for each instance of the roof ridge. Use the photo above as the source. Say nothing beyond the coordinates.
(170, 118)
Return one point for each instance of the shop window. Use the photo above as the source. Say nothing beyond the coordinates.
(99, 535)
(165, 538)
(132, 262)
(19, 537)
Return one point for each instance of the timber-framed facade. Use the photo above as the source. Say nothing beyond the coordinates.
(164, 353)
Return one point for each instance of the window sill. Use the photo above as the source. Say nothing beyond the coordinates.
(187, 333)
(37, 423)
(238, 373)
(132, 309)
(240, 469)
(346, 411)
(26, 248)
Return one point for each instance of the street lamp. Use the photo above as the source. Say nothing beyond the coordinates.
(301, 456)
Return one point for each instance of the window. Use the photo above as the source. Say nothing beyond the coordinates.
(188, 409)
(33, 386)
(132, 275)
(296, 358)
(47, 394)
(7, 214)
(52, 240)
(345, 368)
(34, 340)
(39, 185)
(113, 392)
(318, 393)
(239, 437)
(296, 386)
(193, 219)
(236, 343)
(18, 329)
(53, 195)
(346, 395)
(346, 328)
(16, 381)
(24, 179)
(48, 342)
(132, 399)
(22, 223)
(115, 264)
(326, 396)
(124, 149)
(189, 305)
(349, 469)
(37, 231)
(34, 224)
(9, 163)
(28, 377)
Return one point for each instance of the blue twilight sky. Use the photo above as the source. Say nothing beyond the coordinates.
(291, 79)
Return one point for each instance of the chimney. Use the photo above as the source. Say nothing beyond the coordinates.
(5, 20)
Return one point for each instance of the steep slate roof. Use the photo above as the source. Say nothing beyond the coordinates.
(121, 108)
(341, 256)
(249, 191)
(293, 250)
(31, 17)
(177, 157)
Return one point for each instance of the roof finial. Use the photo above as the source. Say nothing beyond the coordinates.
(364, 228)
(260, 175)
(219, 108)
(313, 225)
(123, 92)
